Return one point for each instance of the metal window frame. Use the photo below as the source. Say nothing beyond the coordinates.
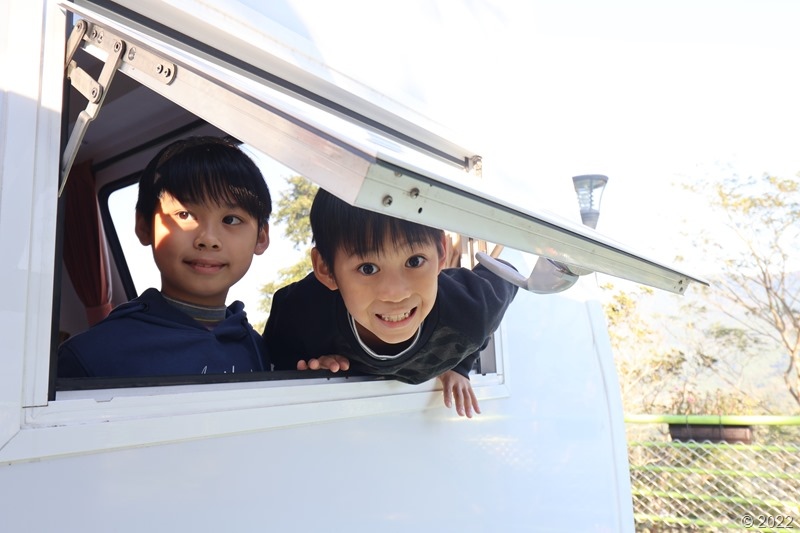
(366, 168)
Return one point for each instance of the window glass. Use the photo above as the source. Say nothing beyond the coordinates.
(121, 207)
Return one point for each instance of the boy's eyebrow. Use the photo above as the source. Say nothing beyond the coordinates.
(413, 248)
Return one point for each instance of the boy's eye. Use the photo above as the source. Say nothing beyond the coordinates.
(415, 261)
(184, 215)
(368, 269)
(232, 220)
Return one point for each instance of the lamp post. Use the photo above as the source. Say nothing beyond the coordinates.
(589, 188)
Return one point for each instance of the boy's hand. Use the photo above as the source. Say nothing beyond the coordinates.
(452, 249)
(455, 386)
(334, 363)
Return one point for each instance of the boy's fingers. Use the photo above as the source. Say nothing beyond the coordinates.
(467, 409)
(467, 402)
(460, 402)
(459, 392)
(467, 396)
(334, 363)
(328, 363)
(475, 405)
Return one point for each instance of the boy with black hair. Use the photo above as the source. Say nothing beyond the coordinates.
(203, 207)
(381, 302)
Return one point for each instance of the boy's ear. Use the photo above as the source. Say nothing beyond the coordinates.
(262, 243)
(143, 230)
(321, 270)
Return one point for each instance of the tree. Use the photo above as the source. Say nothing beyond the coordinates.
(647, 370)
(676, 363)
(759, 284)
(717, 349)
(292, 212)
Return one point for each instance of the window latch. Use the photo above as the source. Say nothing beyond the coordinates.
(113, 51)
(548, 276)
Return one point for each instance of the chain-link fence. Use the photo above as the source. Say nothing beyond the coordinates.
(715, 486)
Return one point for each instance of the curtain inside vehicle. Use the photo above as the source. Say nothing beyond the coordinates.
(85, 253)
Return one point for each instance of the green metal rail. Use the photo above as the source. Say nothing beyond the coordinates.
(709, 486)
(722, 420)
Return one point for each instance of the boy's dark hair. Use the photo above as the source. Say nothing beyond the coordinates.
(205, 169)
(336, 224)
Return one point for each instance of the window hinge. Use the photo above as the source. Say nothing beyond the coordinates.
(116, 52)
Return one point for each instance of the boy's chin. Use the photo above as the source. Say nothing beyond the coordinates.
(395, 339)
(380, 335)
(403, 336)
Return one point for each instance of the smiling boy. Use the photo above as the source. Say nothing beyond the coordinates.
(381, 302)
(203, 207)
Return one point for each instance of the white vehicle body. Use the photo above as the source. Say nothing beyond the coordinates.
(548, 453)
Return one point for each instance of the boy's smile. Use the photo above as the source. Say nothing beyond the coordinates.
(397, 318)
(205, 267)
(388, 294)
(201, 249)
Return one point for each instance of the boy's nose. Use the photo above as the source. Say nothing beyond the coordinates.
(395, 289)
(207, 239)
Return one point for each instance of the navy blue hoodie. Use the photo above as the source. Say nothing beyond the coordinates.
(150, 337)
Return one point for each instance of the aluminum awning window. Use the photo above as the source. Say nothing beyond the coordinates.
(412, 174)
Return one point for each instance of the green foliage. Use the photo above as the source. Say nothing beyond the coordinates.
(759, 286)
(711, 402)
(293, 209)
(679, 363)
(708, 355)
(647, 366)
(292, 212)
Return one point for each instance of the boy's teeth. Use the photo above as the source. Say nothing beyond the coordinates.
(394, 318)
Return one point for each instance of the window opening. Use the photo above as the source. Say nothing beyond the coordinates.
(138, 272)
(133, 262)
(355, 163)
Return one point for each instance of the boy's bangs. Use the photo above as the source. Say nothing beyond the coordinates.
(336, 225)
(214, 189)
(369, 238)
(224, 181)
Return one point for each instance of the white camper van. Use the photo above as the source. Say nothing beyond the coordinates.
(102, 86)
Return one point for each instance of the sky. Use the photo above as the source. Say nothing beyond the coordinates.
(647, 95)
(645, 92)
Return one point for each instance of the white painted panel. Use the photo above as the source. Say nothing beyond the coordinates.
(546, 454)
(545, 458)
(29, 138)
